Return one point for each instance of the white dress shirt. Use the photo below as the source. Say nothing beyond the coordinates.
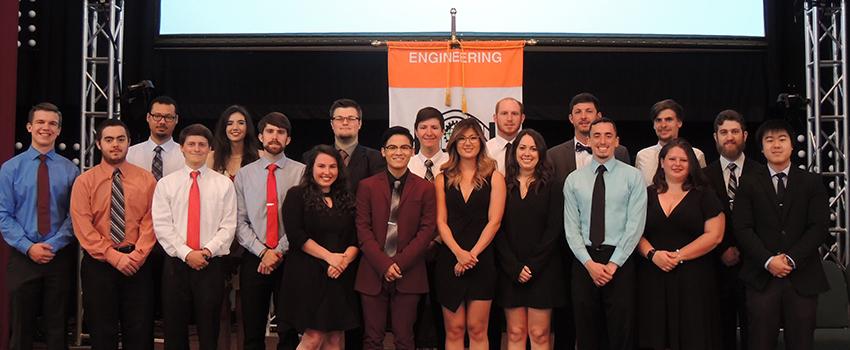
(417, 163)
(496, 147)
(647, 161)
(582, 158)
(739, 169)
(141, 155)
(170, 212)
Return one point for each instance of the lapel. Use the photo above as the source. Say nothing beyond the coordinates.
(715, 175)
(767, 186)
(792, 187)
(384, 189)
(409, 185)
(571, 155)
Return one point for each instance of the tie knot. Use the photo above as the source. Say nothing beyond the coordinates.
(601, 169)
(158, 149)
(194, 174)
(780, 176)
(732, 166)
(396, 184)
(42, 157)
(272, 167)
(429, 163)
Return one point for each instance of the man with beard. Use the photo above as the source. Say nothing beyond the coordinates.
(724, 174)
(667, 117)
(35, 190)
(159, 154)
(260, 189)
(508, 117)
(111, 214)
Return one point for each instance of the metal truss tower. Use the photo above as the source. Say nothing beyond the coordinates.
(826, 117)
(102, 58)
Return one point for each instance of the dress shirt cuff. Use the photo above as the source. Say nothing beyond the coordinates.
(767, 263)
(23, 245)
(791, 262)
(182, 251)
(112, 256)
(256, 248)
(618, 257)
(583, 256)
(214, 248)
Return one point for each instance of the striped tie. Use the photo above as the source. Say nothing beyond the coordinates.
(116, 210)
(733, 181)
(156, 165)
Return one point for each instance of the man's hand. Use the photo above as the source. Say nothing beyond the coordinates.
(598, 273)
(611, 268)
(126, 265)
(196, 260)
(271, 259)
(731, 256)
(524, 275)
(41, 253)
(666, 261)
(393, 273)
(779, 266)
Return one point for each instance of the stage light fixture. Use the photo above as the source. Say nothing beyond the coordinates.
(801, 138)
(801, 154)
(62, 146)
(18, 145)
(31, 28)
(31, 13)
(31, 42)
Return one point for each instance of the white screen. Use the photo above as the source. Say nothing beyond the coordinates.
(743, 18)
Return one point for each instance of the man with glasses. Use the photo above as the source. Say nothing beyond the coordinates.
(396, 221)
(159, 154)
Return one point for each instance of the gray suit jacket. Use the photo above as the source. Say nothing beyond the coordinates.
(563, 158)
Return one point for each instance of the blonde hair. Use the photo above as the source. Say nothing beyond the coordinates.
(484, 164)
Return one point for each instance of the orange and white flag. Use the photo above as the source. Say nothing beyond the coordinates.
(460, 82)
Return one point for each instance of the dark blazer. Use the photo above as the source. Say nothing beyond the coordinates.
(563, 158)
(714, 173)
(364, 162)
(417, 223)
(796, 227)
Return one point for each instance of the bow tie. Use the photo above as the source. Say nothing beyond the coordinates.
(583, 148)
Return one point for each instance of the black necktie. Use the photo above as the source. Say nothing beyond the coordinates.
(780, 186)
(597, 209)
(582, 148)
(391, 244)
(429, 174)
(116, 209)
(508, 147)
(156, 165)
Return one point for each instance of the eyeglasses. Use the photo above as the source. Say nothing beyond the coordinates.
(159, 117)
(471, 139)
(403, 148)
(341, 119)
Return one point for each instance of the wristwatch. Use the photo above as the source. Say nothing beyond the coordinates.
(650, 254)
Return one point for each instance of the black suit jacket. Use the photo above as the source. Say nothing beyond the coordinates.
(563, 158)
(797, 227)
(714, 173)
(364, 162)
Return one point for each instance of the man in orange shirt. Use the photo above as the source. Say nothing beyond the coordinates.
(111, 214)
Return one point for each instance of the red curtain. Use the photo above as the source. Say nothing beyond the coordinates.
(8, 83)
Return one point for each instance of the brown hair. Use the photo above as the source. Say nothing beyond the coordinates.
(485, 165)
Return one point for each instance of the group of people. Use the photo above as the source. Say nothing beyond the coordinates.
(579, 248)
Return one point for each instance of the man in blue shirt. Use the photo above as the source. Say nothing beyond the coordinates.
(35, 189)
(604, 215)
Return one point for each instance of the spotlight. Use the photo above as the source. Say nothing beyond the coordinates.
(801, 153)
(31, 13)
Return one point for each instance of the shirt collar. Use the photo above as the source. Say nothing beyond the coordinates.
(501, 142)
(203, 170)
(349, 149)
(773, 173)
(264, 162)
(610, 164)
(436, 158)
(33, 153)
(576, 142)
(167, 146)
(724, 162)
(109, 168)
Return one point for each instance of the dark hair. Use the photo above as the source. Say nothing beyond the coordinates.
(663, 105)
(772, 125)
(45, 106)
(277, 119)
(543, 171)
(521, 107)
(107, 123)
(221, 144)
(345, 103)
(729, 115)
(396, 130)
(313, 196)
(163, 100)
(695, 180)
(583, 98)
(195, 130)
(605, 120)
(428, 113)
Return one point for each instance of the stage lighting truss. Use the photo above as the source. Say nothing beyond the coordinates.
(827, 129)
(102, 58)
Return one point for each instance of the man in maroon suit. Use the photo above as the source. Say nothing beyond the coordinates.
(396, 219)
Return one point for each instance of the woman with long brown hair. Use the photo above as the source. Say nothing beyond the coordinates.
(470, 204)
(234, 143)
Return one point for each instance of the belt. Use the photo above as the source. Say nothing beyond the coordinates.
(126, 249)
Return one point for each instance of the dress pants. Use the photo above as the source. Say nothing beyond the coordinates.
(732, 306)
(402, 308)
(604, 316)
(430, 332)
(187, 292)
(116, 304)
(33, 287)
(779, 302)
(256, 292)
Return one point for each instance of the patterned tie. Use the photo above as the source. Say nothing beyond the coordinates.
(344, 155)
(43, 196)
(391, 245)
(780, 186)
(193, 229)
(156, 165)
(429, 174)
(733, 182)
(271, 208)
(597, 209)
(116, 209)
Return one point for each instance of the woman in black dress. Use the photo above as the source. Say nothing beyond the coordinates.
(530, 283)
(318, 295)
(470, 203)
(677, 298)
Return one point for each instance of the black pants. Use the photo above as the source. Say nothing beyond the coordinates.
(779, 305)
(429, 329)
(733, 308)
(563, 321)
(256, 292)
(116, 304)
(604, 316)
(187, 292)
(45, 287)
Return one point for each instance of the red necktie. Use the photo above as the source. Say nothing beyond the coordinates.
(271, 208)
(193, 231)
(43, 196)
